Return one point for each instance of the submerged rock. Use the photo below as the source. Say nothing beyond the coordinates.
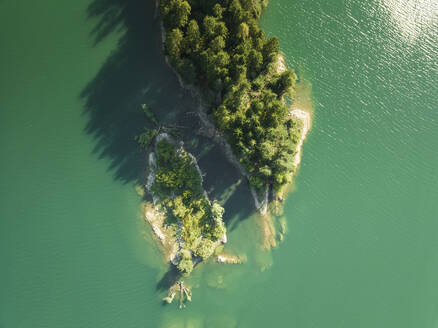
(229, 259)
(179, 290)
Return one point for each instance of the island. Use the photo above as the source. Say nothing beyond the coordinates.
(220, 54)
(183, 218)
(218, 51)
(187, 224)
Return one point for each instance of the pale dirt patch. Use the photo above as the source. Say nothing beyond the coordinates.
(303, 116)
(165, 234)
(281, 64)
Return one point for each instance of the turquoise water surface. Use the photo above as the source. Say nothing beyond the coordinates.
(362, 246)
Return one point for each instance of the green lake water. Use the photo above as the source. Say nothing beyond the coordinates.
(362, 246)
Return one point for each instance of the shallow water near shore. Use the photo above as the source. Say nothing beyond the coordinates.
(361, 247)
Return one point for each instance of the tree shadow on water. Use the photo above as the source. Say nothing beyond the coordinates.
(169, 279)
(136, 73)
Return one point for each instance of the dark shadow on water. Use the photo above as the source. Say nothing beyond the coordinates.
(136, 73)
(169, 279)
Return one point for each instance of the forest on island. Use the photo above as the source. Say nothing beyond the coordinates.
(198, 221)
(216, 45)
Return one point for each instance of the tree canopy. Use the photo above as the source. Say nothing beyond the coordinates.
(179, 186)
(218, 46)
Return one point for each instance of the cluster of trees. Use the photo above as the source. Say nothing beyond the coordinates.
(176, 172)
(179, 185)
(145, 139)
(218, 46)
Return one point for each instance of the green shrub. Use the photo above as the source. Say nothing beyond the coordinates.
(145, 139)
(185, 264)
(205, 249)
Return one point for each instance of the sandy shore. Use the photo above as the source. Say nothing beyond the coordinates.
(306, 119)
(297, 113)
(281, 64)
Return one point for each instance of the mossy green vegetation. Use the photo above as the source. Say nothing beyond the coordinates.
(145, 139)
(198, 221)
(218, 46)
